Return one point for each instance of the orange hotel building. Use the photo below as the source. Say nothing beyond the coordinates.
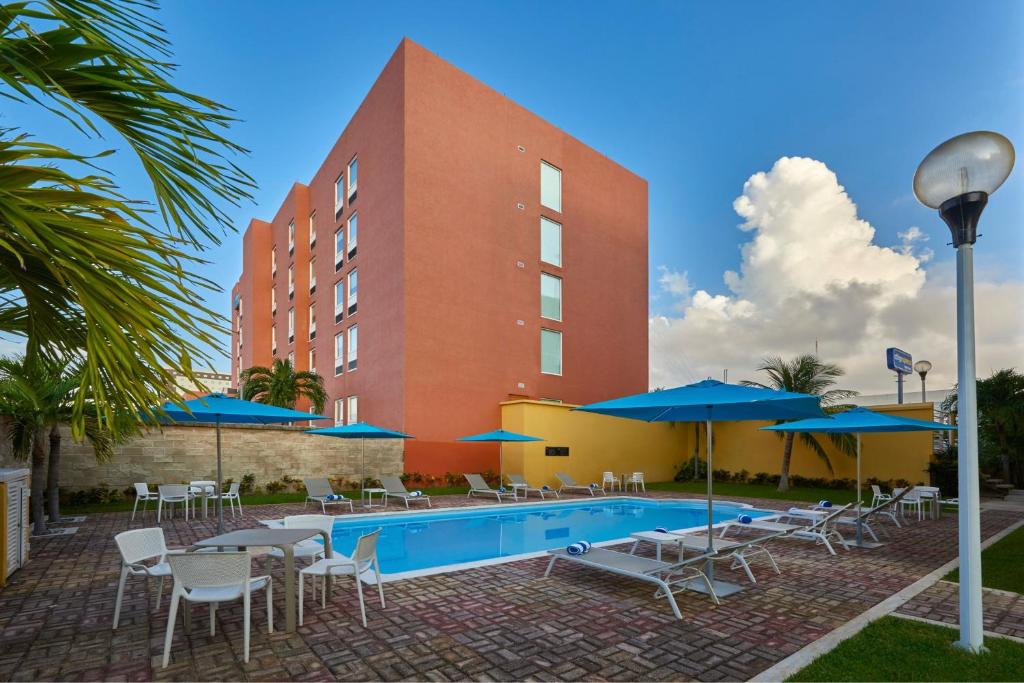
(453, 251)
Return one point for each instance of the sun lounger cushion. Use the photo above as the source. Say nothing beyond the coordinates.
(744, 519)
(334, 496)
(578, 548)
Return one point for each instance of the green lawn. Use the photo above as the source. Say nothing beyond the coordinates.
(247, 499)
(803, 495)
(1001, 565)
(894, 649)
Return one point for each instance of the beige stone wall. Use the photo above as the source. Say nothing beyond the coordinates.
(185, 453)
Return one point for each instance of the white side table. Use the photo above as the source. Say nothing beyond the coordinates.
(367, 497)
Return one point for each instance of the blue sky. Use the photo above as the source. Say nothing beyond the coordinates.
(694, 97)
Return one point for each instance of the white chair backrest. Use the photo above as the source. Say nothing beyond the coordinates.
(173, 490)
(366, 547)
(566, 479)
(638, 476)
(209, 570)
(318, 487)
(323, 523)
(233, 489)
(392, 483)
(141, 489)
(477, 482)
(876, 489)
(608, 476)
(518, 479)
(141, 544)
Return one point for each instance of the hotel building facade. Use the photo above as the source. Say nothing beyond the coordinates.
(453, 251)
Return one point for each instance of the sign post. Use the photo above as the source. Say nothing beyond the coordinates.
(902, 363)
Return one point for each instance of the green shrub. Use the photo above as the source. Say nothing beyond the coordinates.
(248, 483)
(275, 486)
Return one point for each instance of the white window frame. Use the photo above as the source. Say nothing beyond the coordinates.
(352, 410)
(339, 301)
(559, 280)
(273, 339)
(291, 280)
(351, 296)
(339, 198)
(273, 300)
(352, 347)
(291, 323)
(291, 235)
(545, 220)
(339, 240)
(556, 168)
(351, 242)
(339, 411)
(561, 359)
(312, 320)
(312, 274)
(339, 353)
(351, 186)
(312, 228)
(312, 361)
(291, 358)
(273, 262)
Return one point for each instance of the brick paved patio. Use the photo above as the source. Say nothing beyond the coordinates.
(492, 623)
(1004, 611)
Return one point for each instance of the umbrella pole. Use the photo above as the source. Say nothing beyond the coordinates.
(362, 470)
(220, 485)
(711, 543)
(860, 531)
(501, 464)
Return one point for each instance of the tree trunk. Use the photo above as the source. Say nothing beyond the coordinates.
(38, 482)
(787, 454)
(53, 476)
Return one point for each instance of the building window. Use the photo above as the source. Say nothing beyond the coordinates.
(353, 346)
(312, 228)
(550, 352)
(291, 281)
(291, 358)
(353, 278)
(353, 410)
(353, 176)
(273, 301)
(273, 340)
(291, 325)
(550, 186)
(312, 321)
(339, 353)
(273, 262)
(339, 300)
(550, 242)
(339, 249)
(291, 236)
(312, 362)
(353, 231)
(312, 275)
(550, 297)
(339, 411)
(339, 194)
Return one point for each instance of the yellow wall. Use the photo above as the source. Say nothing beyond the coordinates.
(598, 443)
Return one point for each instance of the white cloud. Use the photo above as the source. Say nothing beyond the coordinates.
(812, 273)
(677, 285)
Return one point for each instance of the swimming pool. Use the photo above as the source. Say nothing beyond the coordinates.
(430, 542)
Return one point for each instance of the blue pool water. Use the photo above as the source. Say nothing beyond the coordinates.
(425, 540)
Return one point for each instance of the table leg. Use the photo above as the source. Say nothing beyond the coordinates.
(289, 588)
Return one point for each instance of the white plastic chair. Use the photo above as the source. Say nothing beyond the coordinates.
(363, 560)
(911, 500)
(172, 494)
(143, 553)
(202, 488)
(608, 479)
(309, 549)
(877, 497)
(215, 578)
(636, 480)
(231, 497)
(143, 493)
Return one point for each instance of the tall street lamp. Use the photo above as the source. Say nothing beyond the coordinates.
(922, 367)
(956, 178)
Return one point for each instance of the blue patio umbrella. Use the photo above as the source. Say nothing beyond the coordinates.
(218, 408)
(501, 437)
(361, 431)
(710, 401)
(860, 421)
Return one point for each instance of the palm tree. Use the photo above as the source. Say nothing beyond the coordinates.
(36, 396)
(85, 270)
(1001, 421)
(281, 385)
(807, 374)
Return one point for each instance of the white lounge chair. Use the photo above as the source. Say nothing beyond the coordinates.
(319, 490)
(819, 529)
(215, 578)
(479, 486)
(669, 577)
(396, 489)
(362, 562)
(142, 493)
(519, 483)
(567, 483)
(143, 553)
(739, 553)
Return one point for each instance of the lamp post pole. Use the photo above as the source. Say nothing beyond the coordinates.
(957, 178)
(922, 367)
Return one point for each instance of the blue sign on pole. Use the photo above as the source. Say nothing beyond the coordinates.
(899, 361)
